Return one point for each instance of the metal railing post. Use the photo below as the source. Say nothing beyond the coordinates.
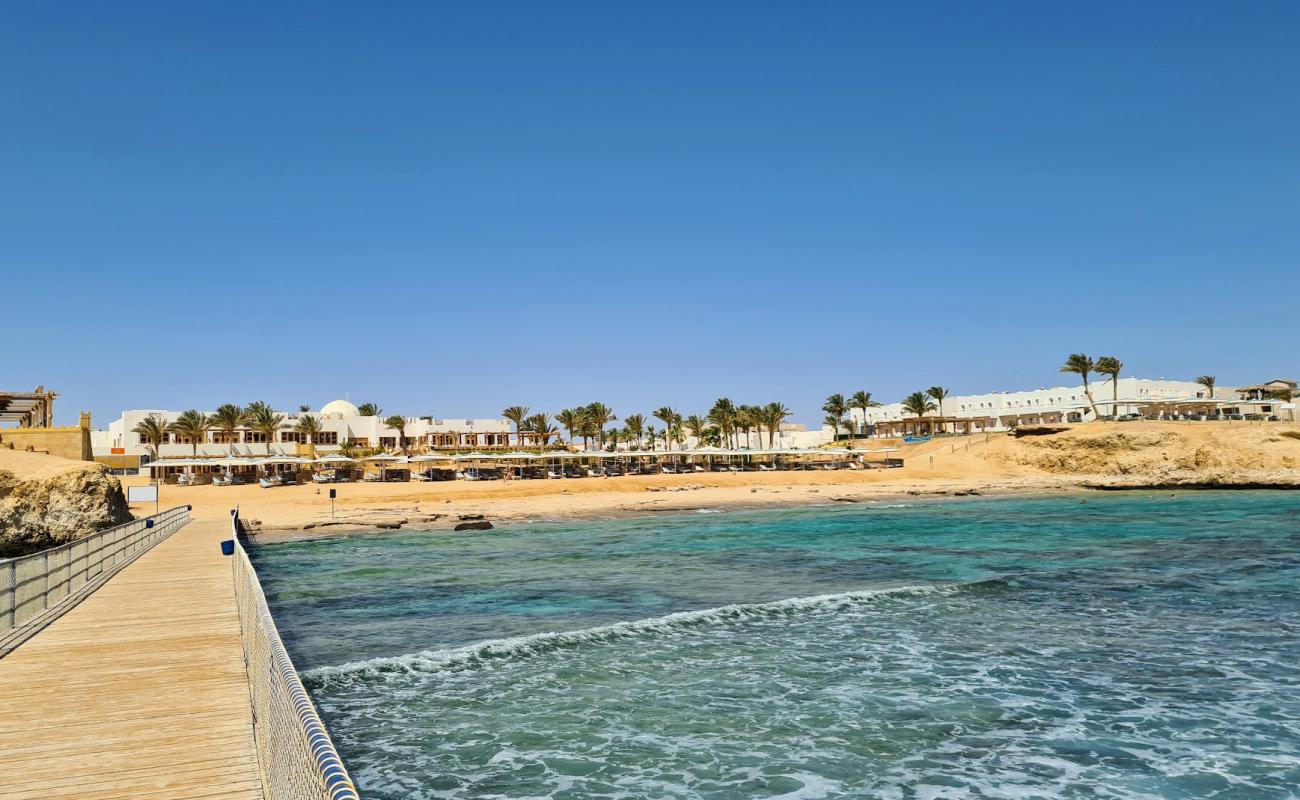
(13, 594)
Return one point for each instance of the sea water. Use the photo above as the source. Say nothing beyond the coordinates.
(1130, 646)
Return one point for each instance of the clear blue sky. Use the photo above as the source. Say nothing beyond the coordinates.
(448, 209)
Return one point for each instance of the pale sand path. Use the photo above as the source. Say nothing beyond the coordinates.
(138, 692)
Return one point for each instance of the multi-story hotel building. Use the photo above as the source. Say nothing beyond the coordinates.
(340, 423)
(1001, 410)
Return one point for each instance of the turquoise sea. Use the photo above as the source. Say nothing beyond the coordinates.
(1133, 646)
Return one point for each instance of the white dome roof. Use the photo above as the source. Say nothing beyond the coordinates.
(341, 407)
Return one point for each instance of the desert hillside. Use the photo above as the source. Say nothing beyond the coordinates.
(46, 500)
(1153, 453)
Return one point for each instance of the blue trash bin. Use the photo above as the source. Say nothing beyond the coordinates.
(228, 547)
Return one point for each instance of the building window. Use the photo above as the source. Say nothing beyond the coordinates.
(254, 437)
(327, 437)
(292, 436)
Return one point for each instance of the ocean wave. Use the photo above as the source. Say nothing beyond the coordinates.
(469, 656)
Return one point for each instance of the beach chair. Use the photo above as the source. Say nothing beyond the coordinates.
(552, 474)
(767, 467)
(265, 483)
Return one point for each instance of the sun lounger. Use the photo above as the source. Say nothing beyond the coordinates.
(767, 467)
(320, 477)
(265, 483)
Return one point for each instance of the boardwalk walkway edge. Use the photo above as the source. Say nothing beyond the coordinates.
(294, 749)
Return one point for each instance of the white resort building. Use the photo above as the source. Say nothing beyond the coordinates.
(1002, 410)
(340, 423)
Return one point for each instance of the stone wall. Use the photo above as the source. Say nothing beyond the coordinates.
(71, 442)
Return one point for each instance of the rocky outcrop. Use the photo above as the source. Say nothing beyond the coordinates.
(46, 501)
(1203, 455)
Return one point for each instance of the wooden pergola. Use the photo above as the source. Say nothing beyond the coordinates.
(28, 409)
(925, 426)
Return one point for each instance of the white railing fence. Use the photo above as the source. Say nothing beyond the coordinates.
(36, 589)
(296, 754)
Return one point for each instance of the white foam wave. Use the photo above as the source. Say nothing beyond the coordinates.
(537, 643)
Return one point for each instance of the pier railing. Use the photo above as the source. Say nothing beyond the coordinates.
(36, 589)
(296, 754)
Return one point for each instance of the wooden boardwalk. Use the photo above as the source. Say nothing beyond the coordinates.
(139, 692)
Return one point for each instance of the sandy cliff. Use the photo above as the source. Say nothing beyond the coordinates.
(1154, 454)
(47, 500)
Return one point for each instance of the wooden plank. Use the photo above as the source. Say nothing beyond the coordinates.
(140, 691)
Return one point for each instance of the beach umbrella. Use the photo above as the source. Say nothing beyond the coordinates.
(334, 459)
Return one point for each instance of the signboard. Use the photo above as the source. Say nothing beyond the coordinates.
(142, 494)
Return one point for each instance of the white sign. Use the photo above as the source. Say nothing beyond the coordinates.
(142, 494)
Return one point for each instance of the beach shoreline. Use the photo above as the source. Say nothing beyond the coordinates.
(1154, 457)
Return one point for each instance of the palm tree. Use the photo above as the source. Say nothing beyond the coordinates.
(674, 433)
(571, 419)
(228, 419)
(938, 393)
(667, 415)
(193, 425)
(540, 424)
(263, 419)
(651, 435)
(835, 406)
(152, 430)
(309, 426)
(862, 400)
(1208, 382)
(1083, 366)
(303, 408)
(696, 425)
(635, 426)
(1109, 365)
(601, 415)
(369, 410)
(723, 414)
(751, 417)
(774, 414)
(517, 415)
(398, 423)
(588, 429)
(918, 404)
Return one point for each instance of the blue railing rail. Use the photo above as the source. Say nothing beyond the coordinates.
(37, 589)
(297, 757)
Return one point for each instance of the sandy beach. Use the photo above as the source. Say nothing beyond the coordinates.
(1133, 455)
